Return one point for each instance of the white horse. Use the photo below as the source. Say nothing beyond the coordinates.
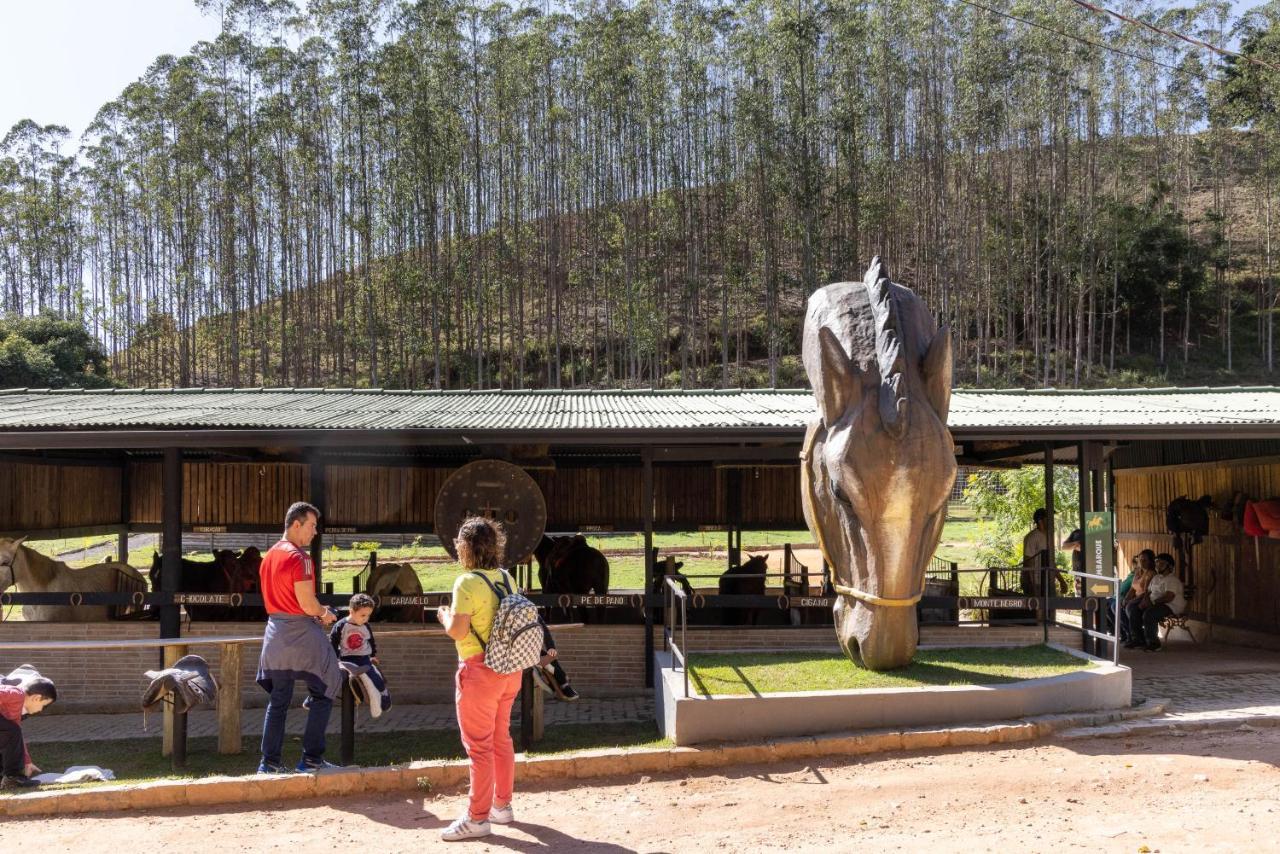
(31, 572)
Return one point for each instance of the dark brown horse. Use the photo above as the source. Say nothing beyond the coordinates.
(227, 573)
(570, 565)
(745, 579)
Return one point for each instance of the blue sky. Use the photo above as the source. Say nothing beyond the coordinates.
(60, 60)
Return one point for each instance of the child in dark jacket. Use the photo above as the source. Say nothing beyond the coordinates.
(353, 641)
(16, 702)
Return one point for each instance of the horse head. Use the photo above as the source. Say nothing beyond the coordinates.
(878, 463)
(9, 553)
(247, 565)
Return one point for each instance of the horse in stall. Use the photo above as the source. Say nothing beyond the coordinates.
(31, 572)
(228, 573)
(745, 579)
(878, 463)
(396, 579)
(570, 565)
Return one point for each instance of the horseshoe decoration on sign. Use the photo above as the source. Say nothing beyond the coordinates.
(497, 490)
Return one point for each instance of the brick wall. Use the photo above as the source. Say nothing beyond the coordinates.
(600, 660)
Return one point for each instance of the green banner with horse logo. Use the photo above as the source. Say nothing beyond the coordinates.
(1099, 553)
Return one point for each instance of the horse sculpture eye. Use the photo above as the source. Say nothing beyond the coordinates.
(839, 495)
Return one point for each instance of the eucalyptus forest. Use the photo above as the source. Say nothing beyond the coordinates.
(643, 193)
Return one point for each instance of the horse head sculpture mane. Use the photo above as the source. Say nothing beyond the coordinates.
(878, 461)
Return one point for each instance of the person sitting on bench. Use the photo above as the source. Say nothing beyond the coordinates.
(16, 702)
(1164, 596)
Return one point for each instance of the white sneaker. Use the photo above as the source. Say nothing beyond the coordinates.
(502, 815)
(465, 828)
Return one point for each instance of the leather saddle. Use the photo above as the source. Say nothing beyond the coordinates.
(188, 681)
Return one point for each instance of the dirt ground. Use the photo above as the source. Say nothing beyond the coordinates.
(1161, 793)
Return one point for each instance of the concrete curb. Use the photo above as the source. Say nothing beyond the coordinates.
(1171, 726)
(430, 776)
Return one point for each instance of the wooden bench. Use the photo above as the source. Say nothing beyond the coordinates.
(174, 737)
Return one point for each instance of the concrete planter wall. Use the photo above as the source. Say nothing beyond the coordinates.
(696, 719)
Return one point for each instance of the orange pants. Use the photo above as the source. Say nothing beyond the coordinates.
(484, 699)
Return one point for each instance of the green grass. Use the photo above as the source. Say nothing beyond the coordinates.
(769, 673)
(138, 761)
(959, 542)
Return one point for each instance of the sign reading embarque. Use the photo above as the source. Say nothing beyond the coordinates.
(1099, 557)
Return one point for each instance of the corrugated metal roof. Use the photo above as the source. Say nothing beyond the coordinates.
(347, 409)
(972, 410)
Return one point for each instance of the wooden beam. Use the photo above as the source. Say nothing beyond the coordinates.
(64, 533)
(320, 500)
(646, 491)
(171, 540)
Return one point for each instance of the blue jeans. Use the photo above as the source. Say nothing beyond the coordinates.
(278, 709)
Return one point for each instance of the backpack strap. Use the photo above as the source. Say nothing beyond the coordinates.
(507, 585)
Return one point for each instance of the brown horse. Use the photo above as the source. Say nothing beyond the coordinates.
(570, 565)
(31, 572)
(396, 579)
(227, 573)
(745, 579)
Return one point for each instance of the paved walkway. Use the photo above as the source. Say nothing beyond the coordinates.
(1206, 682)
(46, 728)
(1205, 685)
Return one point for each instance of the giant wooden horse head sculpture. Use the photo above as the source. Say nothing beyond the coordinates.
(878, 462)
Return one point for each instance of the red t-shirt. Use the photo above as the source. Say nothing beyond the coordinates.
(283, 565)
(11, 701)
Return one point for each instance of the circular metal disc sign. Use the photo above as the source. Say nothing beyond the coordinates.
(497, 490)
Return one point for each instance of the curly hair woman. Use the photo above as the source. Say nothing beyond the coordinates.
(483, 697)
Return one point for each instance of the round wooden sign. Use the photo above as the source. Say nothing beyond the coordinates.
(497, 490)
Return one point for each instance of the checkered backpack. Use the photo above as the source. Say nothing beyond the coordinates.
(515, 639)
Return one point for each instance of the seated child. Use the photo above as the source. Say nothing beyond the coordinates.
(353, 641)
(15, 704)
(549, 675)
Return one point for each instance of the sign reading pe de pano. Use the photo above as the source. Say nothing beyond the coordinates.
(1099, 556)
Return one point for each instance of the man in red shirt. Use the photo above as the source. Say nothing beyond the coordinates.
(296, 644)
(15, 701)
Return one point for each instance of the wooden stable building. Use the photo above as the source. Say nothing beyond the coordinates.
(197, 460)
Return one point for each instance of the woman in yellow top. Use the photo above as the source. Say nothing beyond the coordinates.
(483, 697)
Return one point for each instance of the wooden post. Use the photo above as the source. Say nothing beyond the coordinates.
(527, 690)
(229, 740)
(170, 655)
(1086, 504)
(955, 585)
(1048, 577)
(348, 733)
(646, 499)
(171, 545)
(318, 499)
(126, 500)
(539, 725)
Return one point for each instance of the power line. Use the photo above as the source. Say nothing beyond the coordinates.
(1092, 43)
(1137, 22)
